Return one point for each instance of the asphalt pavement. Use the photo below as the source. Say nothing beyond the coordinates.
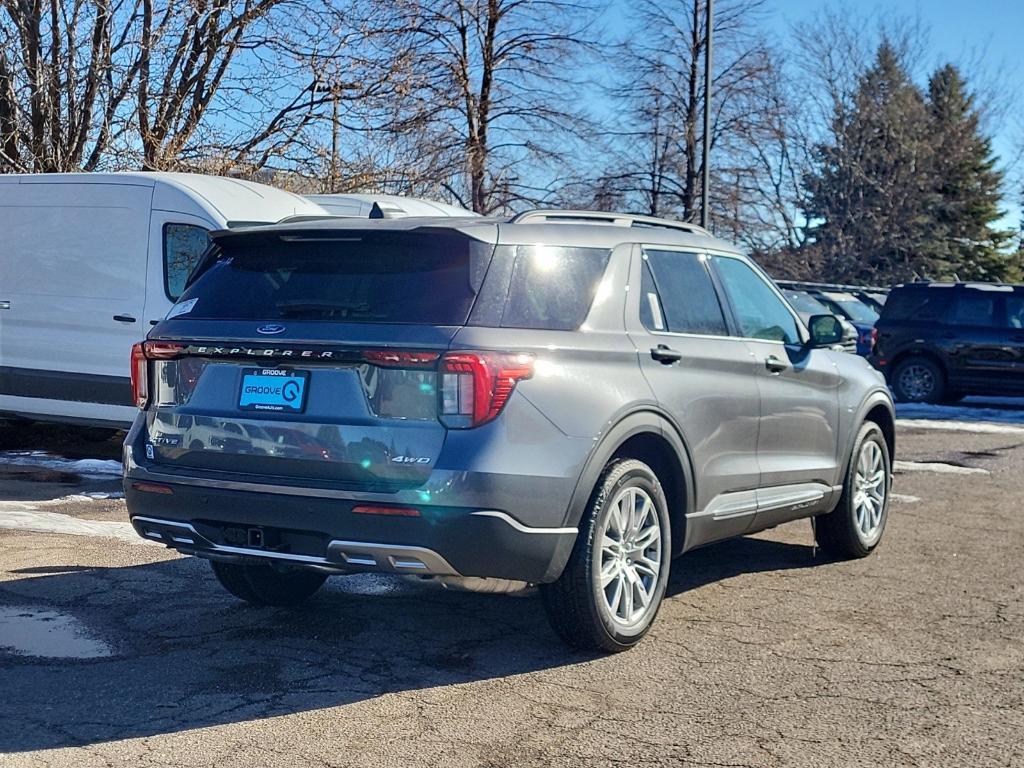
(118, 653)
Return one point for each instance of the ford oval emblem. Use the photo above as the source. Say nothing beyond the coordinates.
(270, 330)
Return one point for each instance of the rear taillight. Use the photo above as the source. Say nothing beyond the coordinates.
(874, 338)
(140, 376)
(476, 385)
(142, 353)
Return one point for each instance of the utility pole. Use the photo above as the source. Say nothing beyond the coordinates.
(334, 139)
(705, 191)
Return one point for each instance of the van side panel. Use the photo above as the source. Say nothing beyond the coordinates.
(72, 259)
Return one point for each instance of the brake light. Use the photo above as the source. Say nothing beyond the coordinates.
(395, 358)
(874, 338)
(140, 376)
(476, 385)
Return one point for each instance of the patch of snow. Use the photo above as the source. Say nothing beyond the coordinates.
(1005, 410)
(22, 516)
(936, 466)
(903, 498)
(91, 469)
(89, 496)
(977, 427)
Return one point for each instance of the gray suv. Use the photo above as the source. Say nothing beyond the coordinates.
(564, 398)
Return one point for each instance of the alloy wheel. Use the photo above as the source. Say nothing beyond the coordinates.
(917, 382)
(631, 553)
(870, 488)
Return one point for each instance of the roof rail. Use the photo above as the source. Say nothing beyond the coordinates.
(603, 217)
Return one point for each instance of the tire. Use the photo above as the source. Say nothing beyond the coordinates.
(918, 379)
(261, 584)
(852, 529)
(587, 616)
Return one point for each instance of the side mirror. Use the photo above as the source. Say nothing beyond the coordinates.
(826, 330)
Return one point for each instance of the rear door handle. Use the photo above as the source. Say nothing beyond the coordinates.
(5, 305)
(775, 365)
(665, 355)
(124, 318)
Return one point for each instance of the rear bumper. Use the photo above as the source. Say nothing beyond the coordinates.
(326, 535)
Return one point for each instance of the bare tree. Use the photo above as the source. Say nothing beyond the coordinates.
(486, 92)
(657, 147)
(64, 74)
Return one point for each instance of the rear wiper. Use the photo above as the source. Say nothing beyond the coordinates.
(326, 308)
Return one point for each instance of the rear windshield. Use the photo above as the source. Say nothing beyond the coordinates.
(354, 277)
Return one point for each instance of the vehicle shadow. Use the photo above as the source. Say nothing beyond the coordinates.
(185, 655)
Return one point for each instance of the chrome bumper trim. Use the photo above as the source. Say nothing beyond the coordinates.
(511, 521)
(342, 555)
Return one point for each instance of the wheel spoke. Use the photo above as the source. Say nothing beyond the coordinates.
(616, 598)
(627, 595)
(608, 572)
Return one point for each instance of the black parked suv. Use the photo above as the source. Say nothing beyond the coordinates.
(937, 342)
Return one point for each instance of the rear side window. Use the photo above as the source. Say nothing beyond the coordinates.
(1015, 311)
(354, 277)
(678, 295)
(917, 304)
(183, 245)
(552, 287)
(974, 308)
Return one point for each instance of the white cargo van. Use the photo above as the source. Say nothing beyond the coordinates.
(88, 262)
(370, 206)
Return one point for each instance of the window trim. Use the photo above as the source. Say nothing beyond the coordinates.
(163, 254)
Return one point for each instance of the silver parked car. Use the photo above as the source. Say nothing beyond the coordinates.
(565, 398)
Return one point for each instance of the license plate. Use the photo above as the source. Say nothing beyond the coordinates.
(273, 389)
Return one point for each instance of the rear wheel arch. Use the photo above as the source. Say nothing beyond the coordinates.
(650, 437)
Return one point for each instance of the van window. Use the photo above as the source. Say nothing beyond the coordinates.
(183, 245)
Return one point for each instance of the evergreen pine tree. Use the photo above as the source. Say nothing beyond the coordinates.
(871, 197)
(967, 244)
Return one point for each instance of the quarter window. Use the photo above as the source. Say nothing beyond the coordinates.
(553, 288)
(678, 295)
(183, 245)
(759, 310)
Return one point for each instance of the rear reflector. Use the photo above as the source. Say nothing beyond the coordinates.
(153, 488)
(368, 509)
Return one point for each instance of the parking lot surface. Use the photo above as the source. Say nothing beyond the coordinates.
(116, 652)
